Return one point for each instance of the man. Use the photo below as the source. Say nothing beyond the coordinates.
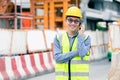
(71, 49)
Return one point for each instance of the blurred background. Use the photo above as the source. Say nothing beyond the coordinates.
(28, 28)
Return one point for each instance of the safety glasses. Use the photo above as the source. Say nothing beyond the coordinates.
(76, 21)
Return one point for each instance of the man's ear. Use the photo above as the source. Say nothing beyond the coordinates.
(80, 24)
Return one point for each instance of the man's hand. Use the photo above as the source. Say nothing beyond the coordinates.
(82, 29)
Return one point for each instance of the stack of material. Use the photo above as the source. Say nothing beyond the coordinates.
(3, 4)
(114, 42)
(114, 31)
(114, 72)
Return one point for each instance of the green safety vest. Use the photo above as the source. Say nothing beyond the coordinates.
(79, 67)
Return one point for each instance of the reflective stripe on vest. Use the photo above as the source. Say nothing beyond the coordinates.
(79, 67)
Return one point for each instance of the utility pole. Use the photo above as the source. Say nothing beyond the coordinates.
(84, 6)
(76, 2)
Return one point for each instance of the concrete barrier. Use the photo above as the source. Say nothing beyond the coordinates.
(24, 66)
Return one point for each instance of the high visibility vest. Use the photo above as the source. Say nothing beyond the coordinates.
(79, 67)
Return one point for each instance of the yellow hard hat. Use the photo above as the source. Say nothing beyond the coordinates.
(74, 11)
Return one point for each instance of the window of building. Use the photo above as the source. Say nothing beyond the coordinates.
(98, 5)
(91, 4)
(91, 25)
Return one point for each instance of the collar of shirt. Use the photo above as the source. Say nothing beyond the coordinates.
(75, 35)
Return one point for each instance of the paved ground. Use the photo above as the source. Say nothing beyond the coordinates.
(98, 71)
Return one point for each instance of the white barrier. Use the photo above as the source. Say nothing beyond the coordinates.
(99, 41)
(19, 67)
(19, 42)
(49, 35)
(35, 41)
(5, 41)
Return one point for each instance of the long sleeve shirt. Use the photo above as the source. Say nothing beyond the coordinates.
(83, 47)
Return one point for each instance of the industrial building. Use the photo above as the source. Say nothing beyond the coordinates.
(48, 14)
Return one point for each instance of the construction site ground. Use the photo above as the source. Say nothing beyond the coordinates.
(98, 71)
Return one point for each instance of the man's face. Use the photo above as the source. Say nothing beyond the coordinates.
(73, 23)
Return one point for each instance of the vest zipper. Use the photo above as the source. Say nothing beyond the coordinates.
(69, 67)
(69, 71)
(69, 62)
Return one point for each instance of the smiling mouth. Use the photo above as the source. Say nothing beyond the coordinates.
(72, 27)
